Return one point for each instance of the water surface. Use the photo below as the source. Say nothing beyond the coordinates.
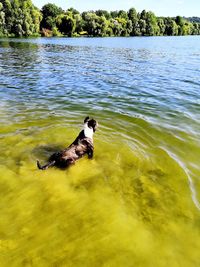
(137, 202)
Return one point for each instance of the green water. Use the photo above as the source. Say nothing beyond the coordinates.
(137, 202)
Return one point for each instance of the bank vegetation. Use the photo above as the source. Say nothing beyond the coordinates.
(20, 18)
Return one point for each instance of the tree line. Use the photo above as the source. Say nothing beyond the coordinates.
(21, 18)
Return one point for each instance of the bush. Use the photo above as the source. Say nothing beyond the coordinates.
(55, 32)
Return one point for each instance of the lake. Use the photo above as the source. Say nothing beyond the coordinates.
(137, 202)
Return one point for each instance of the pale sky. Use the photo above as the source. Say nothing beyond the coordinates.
(159, 7)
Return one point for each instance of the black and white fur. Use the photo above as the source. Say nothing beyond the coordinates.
(82, 145)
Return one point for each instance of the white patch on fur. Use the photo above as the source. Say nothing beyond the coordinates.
(88, 132)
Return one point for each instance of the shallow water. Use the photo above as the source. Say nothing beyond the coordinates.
(137, 202)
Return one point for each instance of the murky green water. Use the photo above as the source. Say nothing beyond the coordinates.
(137, 202)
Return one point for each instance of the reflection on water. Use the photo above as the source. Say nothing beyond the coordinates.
(137, 202)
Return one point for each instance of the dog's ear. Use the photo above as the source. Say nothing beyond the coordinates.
(86, 119)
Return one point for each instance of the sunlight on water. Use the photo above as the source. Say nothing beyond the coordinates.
(123, 208)
(135, 204)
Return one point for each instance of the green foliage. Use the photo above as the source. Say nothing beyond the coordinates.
(133, 17)
(55, 32)
(123, 14)
(161, 26)
(19, 18)
(73, 11)
(95, 25)
(142, 25)
(152, 27)
(143, 15)
(171, 27)
(49, 14)
(22, 18)
(79, 23)
(66, 24)
(196, 28)
(2, 21)
(114, 14)
(104, 13)
(184, 26)
(132, 14)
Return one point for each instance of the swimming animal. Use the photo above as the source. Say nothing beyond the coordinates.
(83, 144)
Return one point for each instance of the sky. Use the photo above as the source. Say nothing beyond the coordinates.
(166, 8)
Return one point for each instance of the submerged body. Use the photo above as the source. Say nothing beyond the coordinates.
(82, 145)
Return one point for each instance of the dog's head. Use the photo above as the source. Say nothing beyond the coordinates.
(91, 123)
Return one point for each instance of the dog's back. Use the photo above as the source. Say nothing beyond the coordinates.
(82, 145)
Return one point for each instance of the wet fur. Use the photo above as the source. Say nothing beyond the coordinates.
(82, 145)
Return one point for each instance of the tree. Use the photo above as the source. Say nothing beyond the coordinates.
(122, 26)
(73, 11)
(19, 18)
(66, 24)
(6, 13)
(161, 26)
(143, 15)
(180, 22)
(2, 20)
(96, 25)
(31, 18)
(171, 27)
(90, 20)
(187, 28)
(114, 14)
(129, 27)
(133, 17)
(22, 18)
(132, 14)
(102, 26)
(116, 27)
(122, 14)
(196, 28)
(79, 23)
(102, 13)
(142, 25)
(151, 24)
(50, 13)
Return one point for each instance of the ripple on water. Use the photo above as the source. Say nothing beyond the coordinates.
(139, 196)
(122, 198)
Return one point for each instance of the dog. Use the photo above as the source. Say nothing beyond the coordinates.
(82, 145)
